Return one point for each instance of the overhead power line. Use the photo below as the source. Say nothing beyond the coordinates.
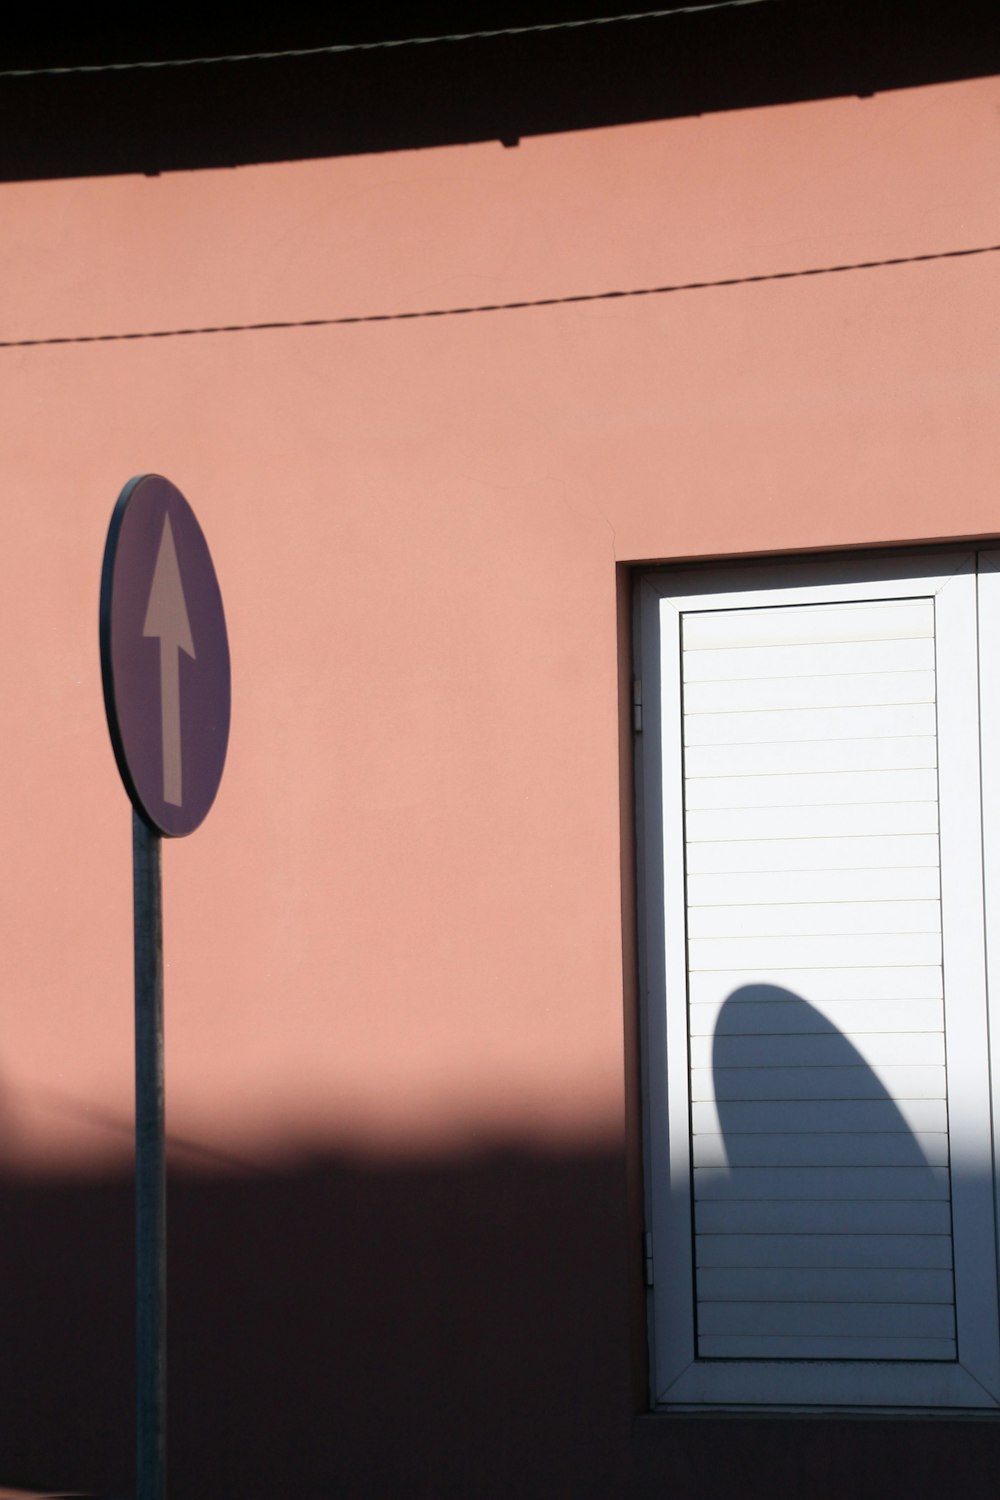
(336, 48)
(347, 319)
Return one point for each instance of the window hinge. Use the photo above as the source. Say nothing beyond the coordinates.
(647, 1247)
(637, 704)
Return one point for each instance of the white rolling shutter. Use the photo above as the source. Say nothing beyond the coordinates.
(790, 1117)
(819, 1120)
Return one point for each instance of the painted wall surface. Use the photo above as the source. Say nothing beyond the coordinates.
(395, 1019)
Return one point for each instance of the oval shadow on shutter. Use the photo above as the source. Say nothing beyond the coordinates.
(822, 1216)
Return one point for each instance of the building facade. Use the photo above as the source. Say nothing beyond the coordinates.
(469, 357)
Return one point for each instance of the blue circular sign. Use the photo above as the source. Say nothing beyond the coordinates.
(164, 656)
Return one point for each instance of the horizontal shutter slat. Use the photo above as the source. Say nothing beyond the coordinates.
(862, 689)
(911, 1184)
(857, 852)
(813, 660)
(818, 1347)
(889, 992)
(888, 620)
(821, 1284)
(808, 887)
(920, 1117)
(902, 1319)
(819, 952)
(809, 724)
(815, 1049)
(812, 1215)
(806, 757)
(891, 1251)
(734, 824)
(852, 1082)
(814, 918)
(821, 787)
(818, 1149)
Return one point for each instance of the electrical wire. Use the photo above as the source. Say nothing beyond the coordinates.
(498, 307)
(336, 48)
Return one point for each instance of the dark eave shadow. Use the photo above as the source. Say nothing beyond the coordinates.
(502, 88)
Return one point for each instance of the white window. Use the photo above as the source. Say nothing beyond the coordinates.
(818, 795)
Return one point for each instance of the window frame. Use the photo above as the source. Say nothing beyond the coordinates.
(967, 611)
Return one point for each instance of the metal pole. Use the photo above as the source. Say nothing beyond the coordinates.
(150, 1173)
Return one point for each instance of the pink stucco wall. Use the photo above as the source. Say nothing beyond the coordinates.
(399, 934)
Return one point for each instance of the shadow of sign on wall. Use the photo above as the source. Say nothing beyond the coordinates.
(822, 1208)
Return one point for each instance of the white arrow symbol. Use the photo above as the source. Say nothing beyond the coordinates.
(167, 617)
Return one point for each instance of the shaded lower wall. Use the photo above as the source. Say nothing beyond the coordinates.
(449, 1329)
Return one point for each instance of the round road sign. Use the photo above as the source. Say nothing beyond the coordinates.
(164, 656)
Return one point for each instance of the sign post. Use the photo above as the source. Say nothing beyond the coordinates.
(150, 1168)
(165, 670)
